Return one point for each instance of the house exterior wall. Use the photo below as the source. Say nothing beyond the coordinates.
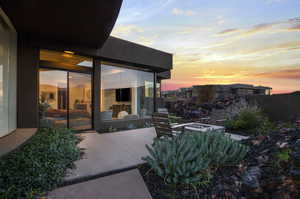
(28, 86)
(142, 56)
(28, 66)
(33, 28)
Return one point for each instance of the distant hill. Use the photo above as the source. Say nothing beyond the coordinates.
(292, 93)
(295, 93)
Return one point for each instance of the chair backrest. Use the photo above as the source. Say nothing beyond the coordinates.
(162, 124)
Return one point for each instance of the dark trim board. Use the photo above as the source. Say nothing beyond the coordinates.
(96, 93)
(154, 93)
(126, 51)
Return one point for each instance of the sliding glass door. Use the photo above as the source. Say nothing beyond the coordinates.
(65, 99)
(53, 98)
(80, 101)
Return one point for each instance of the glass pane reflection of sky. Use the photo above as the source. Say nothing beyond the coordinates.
(115, 77)
(54, 78)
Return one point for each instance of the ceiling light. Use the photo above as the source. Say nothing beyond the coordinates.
(69, 52)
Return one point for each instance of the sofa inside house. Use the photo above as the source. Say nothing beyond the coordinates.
(58, 118)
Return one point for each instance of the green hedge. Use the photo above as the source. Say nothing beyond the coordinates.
(40, 165)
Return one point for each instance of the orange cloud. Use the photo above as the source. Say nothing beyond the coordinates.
(281, 74)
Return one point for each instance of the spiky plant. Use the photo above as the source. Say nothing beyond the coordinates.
(188, 159)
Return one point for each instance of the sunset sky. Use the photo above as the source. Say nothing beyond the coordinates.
(220, 41)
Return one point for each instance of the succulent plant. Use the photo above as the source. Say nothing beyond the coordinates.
(189, 158)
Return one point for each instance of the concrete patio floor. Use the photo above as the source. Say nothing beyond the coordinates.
(125, 185)
(110, 152)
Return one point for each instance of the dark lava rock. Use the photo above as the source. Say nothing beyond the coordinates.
(251, 177)
(295, 173)
(296, 153)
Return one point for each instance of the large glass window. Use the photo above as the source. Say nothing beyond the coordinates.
(125, 93)
(80, 101)
(7, 76)
(65, 96)
(53, 98)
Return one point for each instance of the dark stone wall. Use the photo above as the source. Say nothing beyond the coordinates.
(283, 107)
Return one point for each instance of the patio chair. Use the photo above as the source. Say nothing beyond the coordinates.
(164, 127)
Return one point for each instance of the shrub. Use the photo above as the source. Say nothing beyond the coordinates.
(245, 120)
(251, 120)
(40, 165)
(190, 158)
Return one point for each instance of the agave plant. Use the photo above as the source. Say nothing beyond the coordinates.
(189, 159)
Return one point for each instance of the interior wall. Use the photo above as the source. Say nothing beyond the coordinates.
(80, 93)
(49, 89)
(110, 99)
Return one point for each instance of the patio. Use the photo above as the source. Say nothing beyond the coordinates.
(110, 153)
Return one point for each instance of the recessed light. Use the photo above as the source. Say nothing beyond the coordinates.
(69, 52)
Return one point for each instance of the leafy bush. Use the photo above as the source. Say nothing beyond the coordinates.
(245, 120)
(190, 158)
(251, 120)
(40, 165)
(282, 158)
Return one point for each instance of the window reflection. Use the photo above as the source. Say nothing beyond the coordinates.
(125, 93)
(80, 101)
(8, 74)
(65, 97)
(53, 98)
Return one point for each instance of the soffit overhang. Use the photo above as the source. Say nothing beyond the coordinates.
(81, 23)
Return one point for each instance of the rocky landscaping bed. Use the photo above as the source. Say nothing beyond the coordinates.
(270, 170)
